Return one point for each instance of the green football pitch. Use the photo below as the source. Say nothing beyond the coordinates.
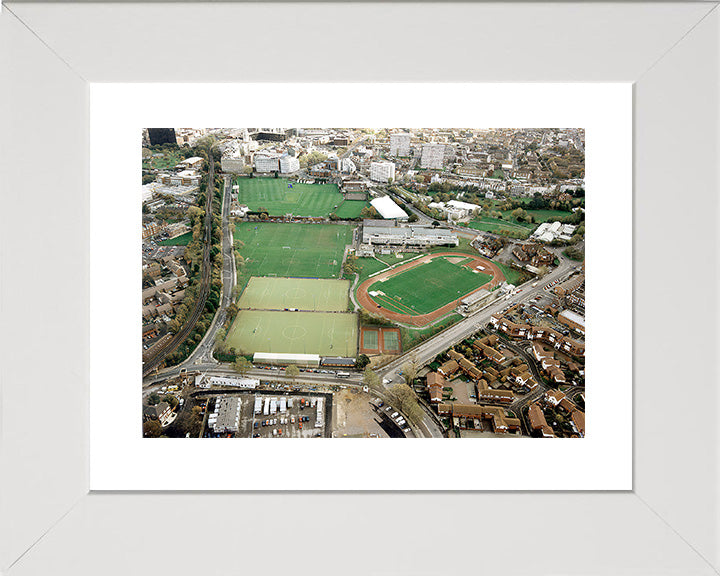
(427, 287)
(278, 198)
(292, 249)
(351, 208)
(324, 333)
(302, 293)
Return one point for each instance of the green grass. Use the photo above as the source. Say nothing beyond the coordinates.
(324, 333)
(302, 293)
(412, 338)
(427, 287)
(300, 200)
(539, 215)
(166, 162)
(391, 259)
(487, 224)
(350, 209)
(292, 249)
(368, 266)
(182, 240)
(512, 275)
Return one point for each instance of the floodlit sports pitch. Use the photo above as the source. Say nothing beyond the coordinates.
(324, 333)
(300, 293)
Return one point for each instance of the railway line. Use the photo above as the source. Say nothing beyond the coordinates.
(164, 348)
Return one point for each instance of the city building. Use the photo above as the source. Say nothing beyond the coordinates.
(232, 163)
(432, 156)
(267, 162)
(226, 417)
(400, 145)
(382, 171)
(289, 164)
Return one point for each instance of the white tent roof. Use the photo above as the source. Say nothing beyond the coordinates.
(387, 208)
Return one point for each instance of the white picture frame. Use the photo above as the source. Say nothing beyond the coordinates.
(49, 523)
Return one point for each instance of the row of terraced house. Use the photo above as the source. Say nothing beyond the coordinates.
(547, 335)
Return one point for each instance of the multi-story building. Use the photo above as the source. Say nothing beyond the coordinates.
(266, 162)
(400, 145)
(289, 164)
(432, 156)
(382, 171)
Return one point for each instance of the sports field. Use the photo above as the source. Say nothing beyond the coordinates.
(278, 198)
(182, 240)
(292, 249)
(302, 293)
(328, 333)
(351, 209)
(426, 287)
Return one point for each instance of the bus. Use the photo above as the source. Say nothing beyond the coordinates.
(343, 375)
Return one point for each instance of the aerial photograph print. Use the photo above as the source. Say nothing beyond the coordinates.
(363, 282)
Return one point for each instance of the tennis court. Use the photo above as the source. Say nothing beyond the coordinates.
(301, 293)
(279, 196)
(324, 333)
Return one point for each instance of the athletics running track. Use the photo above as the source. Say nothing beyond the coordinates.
(366, 301)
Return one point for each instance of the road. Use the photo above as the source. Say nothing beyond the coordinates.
(201, 359)
(203, 353)
(426, 351)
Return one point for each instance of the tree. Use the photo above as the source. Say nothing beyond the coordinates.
(362, 361)
(370, 378)
(435, 223)
(242, 365)
(413, 217)
(152, 429)
(153, 399)
(409, 372)
(292, 372)
(189, 422)
(170, 399)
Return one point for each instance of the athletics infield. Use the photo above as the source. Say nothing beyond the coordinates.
(425, 289)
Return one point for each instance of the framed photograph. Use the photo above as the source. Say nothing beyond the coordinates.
(134, 384)
(301, 291)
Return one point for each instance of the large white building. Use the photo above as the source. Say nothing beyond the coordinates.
(547, 231)
(382, 171)
(267, 162)
(289, 164)
(432, 156)
(400, 145)
(387, 208)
